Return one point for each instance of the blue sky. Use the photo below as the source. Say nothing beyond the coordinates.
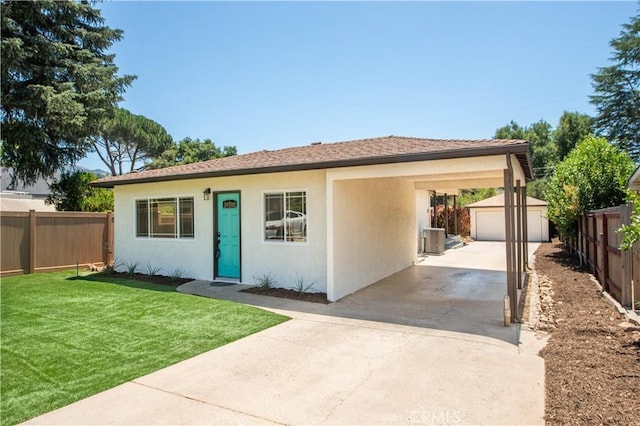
(268, 75)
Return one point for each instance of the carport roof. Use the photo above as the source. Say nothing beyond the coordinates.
(383, 150)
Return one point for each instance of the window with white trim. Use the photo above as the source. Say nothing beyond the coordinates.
(165, 218)
(285, 216)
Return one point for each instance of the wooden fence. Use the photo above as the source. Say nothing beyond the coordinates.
(598, 246)
(47, 241)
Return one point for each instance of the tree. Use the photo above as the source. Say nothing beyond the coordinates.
(58, 83)
(72, 192)
(126, 139)
(468, 196)
(543, 149)
(593, 176)
(617, 91)
(189, 151)
(571, 129)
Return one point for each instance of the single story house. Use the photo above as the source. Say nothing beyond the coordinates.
(339, 215)
(487, 219)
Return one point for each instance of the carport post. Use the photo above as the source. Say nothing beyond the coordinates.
(525, 227)
(446, 215)
(518, 204)
(455, 216)
(512, 291)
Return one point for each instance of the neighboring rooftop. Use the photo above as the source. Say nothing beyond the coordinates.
(388, 149)
(498, 201)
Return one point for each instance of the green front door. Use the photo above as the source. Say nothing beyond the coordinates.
(228, 235)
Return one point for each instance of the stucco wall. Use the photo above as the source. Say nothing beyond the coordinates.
(374, 231)
(195, 256)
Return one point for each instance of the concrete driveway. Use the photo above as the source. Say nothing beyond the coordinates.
(328, 365)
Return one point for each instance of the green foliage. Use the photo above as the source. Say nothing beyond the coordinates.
(81, 336)
(537, 188)
(572, 128)
(467, 197)
(132, 268)
(57, 81)
(126, 139)
(176, 274)
(301, 287)
(152, 270)
(265, 281)
(631, 232)
(72, 192)
(189, 151)
(617, 91)
(593, 176)
(543, 148)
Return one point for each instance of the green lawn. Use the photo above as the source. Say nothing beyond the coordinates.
(65, 338)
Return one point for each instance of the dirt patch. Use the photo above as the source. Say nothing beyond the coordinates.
(592, 358)
(287, 293)
(156, 279)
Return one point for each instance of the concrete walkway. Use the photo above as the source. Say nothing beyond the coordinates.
(330, 369)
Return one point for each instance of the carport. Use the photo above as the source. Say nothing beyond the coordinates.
(381, 205)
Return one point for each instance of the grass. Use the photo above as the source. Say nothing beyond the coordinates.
(66, 338)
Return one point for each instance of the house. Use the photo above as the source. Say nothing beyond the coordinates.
(341, 215)
(487, 219)
(17, 197)
(634, 181)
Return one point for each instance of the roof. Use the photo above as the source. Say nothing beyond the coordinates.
(634, 181)
(388, 149)
(498, 201)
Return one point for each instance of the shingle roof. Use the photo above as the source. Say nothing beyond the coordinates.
(388, 149)
(498, 201)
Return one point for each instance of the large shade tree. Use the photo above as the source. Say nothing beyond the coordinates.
(617, 91)
(125, 141)
(58, 83)
(189, 151)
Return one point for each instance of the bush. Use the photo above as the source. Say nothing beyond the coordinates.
(464, 220)
(593, 176)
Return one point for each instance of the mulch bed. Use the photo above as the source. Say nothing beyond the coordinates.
(592, 360)
(287, 293)
(156, 279)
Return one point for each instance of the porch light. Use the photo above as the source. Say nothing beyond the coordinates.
(206, 193)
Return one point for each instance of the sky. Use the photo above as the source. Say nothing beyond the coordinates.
(270, 75)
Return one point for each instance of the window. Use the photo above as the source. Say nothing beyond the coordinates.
(285, 216)
(165, 218)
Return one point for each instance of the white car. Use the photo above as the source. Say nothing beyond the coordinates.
(296, 224)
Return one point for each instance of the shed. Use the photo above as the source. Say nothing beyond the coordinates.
(488, 221)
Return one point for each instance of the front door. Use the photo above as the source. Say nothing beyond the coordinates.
(227, 239)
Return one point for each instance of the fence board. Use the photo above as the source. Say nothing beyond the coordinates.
(603, 255)
(60, 240)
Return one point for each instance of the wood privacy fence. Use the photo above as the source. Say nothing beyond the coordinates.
(598, 246)
(47, 241)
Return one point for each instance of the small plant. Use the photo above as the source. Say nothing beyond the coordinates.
(176, 274)
(110, 269)
(131, 268)
(152, 270)
(300, 287)
(265, 281)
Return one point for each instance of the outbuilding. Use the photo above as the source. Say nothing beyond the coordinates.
(488, 220)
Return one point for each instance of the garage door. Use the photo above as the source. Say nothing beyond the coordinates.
(490, 226)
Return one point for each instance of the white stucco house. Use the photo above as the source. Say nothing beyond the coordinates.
(340, 215)
(487, 219)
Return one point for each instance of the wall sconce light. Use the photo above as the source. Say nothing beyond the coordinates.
(206, 193)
